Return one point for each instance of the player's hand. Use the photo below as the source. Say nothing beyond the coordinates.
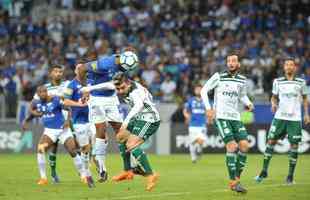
(82, 102)
(250, 107)
(306, 119)
(274, 108)
(210, 115)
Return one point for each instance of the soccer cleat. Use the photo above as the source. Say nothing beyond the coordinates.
(90, 182)
(290, 180)
(261, 176)
(151, 181)
(237, 187)
(103, 176)
(42, 181)
(125, 175)
(55, 178)
(84, 179)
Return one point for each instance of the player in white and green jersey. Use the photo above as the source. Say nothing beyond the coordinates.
(229, 90)
(141, 122)
(288, 93)
(55, 87)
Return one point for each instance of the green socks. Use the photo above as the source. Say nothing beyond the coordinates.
(141, 158)
(52, 162)
(293, 155)
(231, 160)
(267, 156)
(241, 161)
(125, 155)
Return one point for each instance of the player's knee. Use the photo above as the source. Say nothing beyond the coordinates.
(294, 146)
(232, 147)
(244, 146)
(200, 141)
(271, 142)
(86, 149)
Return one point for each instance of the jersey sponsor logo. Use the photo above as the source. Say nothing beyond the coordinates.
(230, 94)
(289, 95)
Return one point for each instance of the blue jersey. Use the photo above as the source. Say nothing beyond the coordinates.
(100, 71)
(197, 110)
(52, 112)
(72, 91)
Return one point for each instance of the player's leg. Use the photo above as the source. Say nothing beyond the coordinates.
(52, 162)
(294, 130)
(224, 127)
(192, 143)
(72, 149)
(140, 132)
(44, 144)
(241, 136)
(83, 134)
(97, 116)
(101, 144)
(127, 173)
(276, 131)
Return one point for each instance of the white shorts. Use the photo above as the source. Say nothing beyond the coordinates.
(197, 132)
(58, 134)
(83, 133)
(104, 109)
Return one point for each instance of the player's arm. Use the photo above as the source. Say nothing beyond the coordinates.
(102, 86)
(138, 98)
(305, 102)
(209, 85)
(245, 99)
(274, 98)
(306, 112)
(186, 113)
(68, 102)
(33, 113)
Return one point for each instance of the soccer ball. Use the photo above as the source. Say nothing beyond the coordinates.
(129, 60)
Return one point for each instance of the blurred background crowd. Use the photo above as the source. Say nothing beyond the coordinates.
(179, 42)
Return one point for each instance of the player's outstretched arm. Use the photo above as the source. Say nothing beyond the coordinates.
(101, 86)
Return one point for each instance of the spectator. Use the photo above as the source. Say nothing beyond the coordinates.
(168, 88)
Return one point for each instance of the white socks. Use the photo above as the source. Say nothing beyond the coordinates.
(100, 153)
(42, 165)
(85, 161)
(79, 165)
(192, 151)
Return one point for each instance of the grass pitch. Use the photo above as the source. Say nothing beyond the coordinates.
(179, 180)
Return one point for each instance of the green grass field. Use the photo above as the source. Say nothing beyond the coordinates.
(180, 179)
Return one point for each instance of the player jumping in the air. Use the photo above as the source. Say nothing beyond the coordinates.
(287, 94)
(141, 122)
(49, 108)
(74, 99)
(103, 105)
(55, 88)
(230, 89)
(195, 116)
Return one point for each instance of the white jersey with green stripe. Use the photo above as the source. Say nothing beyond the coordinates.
(54, 90)
(229, 91)
(141, 104)
(290, 93)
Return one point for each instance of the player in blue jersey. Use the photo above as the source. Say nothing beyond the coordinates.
(195, 116)
(103, 104)
(55, 88)
(74, 99)
(49, 108)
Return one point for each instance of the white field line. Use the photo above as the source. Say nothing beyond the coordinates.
(167, 194)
